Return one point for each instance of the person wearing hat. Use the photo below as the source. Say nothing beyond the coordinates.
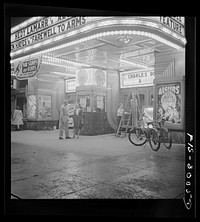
(17, 119)
(64, 120)
(78, 120)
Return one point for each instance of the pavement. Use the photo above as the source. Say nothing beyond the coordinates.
(93, 167)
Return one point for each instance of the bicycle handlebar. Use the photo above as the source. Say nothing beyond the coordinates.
(161, 121)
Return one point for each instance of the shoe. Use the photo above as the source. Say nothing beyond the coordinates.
(60, 138)
(68, 138)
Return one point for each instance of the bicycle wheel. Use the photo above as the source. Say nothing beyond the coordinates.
(166, 137)
(154, 139)
(137, 136)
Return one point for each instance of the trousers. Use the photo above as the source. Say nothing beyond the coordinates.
(64, 126)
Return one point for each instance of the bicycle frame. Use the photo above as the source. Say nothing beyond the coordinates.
(140, 130)
(159, 126)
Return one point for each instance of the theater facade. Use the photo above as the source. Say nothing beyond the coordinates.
(97, 61)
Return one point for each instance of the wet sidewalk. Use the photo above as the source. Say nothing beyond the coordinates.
(93, 167)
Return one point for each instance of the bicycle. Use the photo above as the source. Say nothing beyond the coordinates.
(140, 134)
(155, 135)
(163, 134)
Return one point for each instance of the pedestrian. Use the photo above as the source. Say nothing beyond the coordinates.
(64, 120)
(17, 119)
(78, 120)
(120, 112)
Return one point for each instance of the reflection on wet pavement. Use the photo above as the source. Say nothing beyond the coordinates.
(141, 174)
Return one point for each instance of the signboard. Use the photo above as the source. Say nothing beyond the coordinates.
(27, 68)
(51, 27)
(174, 23)
(31, 107)
(70, 85)
(44, 29)
(44, 111)
(169, 102)
(137, 79)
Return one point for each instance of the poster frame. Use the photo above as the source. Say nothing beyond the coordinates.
(166, 81)
(42, 118)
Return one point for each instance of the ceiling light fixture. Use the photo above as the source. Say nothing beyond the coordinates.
(124, 39)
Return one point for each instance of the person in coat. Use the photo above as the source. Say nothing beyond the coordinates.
(64, 120)
(78, 120)
(17, 119)
(120, 112)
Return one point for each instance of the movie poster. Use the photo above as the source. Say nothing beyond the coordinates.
(44, 111)
(169, 102)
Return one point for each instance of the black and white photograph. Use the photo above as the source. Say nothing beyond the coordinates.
(98, 110)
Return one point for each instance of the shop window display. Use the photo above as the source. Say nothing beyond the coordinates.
(44, 111)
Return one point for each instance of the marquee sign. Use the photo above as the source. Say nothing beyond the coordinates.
(27, 68)
(70, 85)
(52, 29)
(137, 79)
(44, 29)
(174, 23)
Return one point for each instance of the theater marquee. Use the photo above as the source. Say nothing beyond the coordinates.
(44, 29)
(137, 79)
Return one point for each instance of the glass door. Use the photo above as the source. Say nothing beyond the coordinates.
(145, 99)
(142, 101)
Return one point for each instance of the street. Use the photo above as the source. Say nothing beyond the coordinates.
(93, 167)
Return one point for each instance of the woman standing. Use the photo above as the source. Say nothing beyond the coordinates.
(78, 120)
(17, 118)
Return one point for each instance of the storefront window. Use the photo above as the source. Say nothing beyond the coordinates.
(44, 111)
(169, 102)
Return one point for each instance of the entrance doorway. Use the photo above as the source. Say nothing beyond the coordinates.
(22, 103)
(145, 100)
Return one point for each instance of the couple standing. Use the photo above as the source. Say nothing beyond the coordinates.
(64, 120)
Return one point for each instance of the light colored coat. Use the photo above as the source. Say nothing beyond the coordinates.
(17, 118)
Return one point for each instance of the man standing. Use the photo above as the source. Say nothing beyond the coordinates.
(64, 120)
